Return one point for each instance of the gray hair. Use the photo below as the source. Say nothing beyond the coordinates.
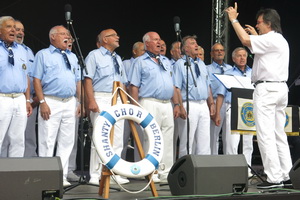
(53, 30)
(4, 19)
(238, 49)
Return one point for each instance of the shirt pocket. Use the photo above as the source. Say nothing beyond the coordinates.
(52, 69)
(105, 70)
(148, 72)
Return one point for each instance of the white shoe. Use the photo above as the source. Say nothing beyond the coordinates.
(250, 175)
(155, 178)
(119, 179)
(94, 181)
(72, 176)
(66, 183)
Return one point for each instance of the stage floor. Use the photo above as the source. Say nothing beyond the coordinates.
(87, 191)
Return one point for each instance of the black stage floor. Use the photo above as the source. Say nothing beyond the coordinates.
(87, 191)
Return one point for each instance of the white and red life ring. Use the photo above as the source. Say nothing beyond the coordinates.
(101, 137)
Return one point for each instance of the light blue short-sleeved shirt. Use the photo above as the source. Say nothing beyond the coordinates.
(236, 72)
(100, 67)
(13, 77)
(127, 63)
(201, 92)
(56, 79)
(151, 79)
(215, 68)
(30, 56)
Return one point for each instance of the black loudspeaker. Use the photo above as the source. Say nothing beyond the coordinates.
(295, 175)
(208, 174)
(31, 178)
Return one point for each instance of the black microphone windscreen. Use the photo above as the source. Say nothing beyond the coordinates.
(68, 8)
(176, 20)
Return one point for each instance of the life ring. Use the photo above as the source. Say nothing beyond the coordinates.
(101, 136)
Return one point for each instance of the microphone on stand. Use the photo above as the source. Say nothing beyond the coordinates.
(176, 21)
(68, 10)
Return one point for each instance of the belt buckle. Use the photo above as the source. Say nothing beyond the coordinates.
(14, 95)
(64, 99)
(165, 101)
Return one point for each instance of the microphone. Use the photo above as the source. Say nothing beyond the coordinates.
(68, 10)
(176, 21)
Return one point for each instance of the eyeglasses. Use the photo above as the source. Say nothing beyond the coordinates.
(62, 33)
(219, 50)
(258, 22)
(112, 35)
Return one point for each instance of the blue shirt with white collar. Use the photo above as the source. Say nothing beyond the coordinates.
(215, 68)
(56, 79)
(101, 69)
(13, 77)
(201, 92)
(151, 79)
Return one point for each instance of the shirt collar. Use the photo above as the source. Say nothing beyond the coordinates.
(13, 44)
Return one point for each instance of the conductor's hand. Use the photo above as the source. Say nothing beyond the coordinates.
(250, 30)
(232, 12)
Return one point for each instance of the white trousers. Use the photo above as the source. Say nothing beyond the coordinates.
(199, 132)
(215, 131)
(60, 129)
(104, 101)
(269, 103)
(163, 114)
(13, 120)
(233, 140)
(30, 138)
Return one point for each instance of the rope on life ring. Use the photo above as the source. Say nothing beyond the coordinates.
(101, 137)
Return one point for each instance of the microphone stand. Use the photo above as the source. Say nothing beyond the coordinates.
(82, 179)
(188, 66)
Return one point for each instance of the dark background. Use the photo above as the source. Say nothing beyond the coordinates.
(132, 19)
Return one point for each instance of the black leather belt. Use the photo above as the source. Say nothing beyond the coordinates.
(258, 82)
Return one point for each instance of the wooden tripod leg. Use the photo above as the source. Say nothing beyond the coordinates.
(104, 182)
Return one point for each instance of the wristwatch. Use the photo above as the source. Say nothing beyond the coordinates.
(42, 101)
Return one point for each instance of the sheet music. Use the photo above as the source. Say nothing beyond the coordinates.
(230, 81)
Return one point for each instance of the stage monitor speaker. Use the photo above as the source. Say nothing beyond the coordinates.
(208, 174)
(295, 174)
(33, 178)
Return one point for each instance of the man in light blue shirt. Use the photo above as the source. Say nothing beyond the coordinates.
(56, 83)
(14, 89)
(103, 71)
(151, 79)
(200, 101)
(30, 133)
(217, 66)
(240, 68)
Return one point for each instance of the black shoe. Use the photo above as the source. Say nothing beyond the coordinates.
(287, 184)
(267, 185)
